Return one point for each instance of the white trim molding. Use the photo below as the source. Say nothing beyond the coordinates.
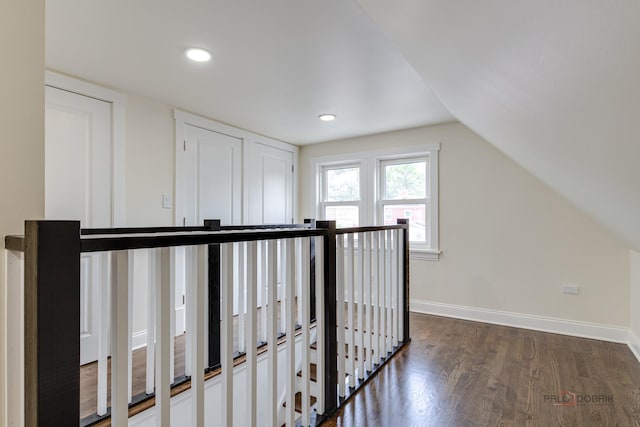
(525, 321)
(369, 164)
(634, 344)
(424, 254)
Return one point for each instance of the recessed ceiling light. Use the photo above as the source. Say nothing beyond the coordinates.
(198, 55)
(327, 117)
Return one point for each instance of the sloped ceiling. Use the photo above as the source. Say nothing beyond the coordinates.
(553, 84)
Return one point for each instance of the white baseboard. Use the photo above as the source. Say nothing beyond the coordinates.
(634, 344)
(139, 339)
(526, 321)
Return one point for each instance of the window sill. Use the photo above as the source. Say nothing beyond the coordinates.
(424, 254)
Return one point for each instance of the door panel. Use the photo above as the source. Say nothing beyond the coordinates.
(271, 185)
(78, 185)
(213, 181)
(271, 192)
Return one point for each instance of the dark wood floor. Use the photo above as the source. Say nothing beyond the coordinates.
(89, 375)
(460, 373)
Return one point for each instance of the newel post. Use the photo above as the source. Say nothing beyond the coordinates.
(405, 270)
(330, 318)
(52, 323)
(214, 297)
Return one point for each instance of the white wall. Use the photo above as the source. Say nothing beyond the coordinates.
(150, 142)
(22, 135)
(150, 154)
(508, 241)
(634, 299)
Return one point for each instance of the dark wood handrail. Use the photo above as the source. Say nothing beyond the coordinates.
(350, 230)
(183, 229)
(101, 244)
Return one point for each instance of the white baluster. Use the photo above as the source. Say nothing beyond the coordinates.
(252, 335)
(375, 296)
(283, 280)
(291, 330)
(163, 336)
(299, 261)
(305, 312)
(262, 277)
(119, 340)
(130, 329)
(190, 284)
(272, 338)
(320, 319)
(151, 320)
(367, 251)
(401, 302)
(240, 291)
(15, 339)
(396, 286)
(103, 334)
(360, 292)
(199, 255)
(381, 295)
(387, 263)
(172, 313)
(226, 344)
(340, 312)
(350, 282)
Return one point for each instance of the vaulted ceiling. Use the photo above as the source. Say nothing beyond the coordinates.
(552, 84)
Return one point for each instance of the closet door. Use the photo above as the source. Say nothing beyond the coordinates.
(213, 177)
(78, 186)
(270, 185)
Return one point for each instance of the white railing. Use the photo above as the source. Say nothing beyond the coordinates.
(289, 299)
(370, 277)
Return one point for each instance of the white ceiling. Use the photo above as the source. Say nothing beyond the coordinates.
(277, 64)
(553, 84)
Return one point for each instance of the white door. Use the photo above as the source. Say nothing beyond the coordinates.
(78, 186)
(212, 184)
(213, 177)
(271, 185)
(271, 191)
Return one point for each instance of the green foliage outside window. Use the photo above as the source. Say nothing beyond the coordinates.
(405, 181)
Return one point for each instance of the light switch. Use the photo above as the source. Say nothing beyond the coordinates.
(166, 201)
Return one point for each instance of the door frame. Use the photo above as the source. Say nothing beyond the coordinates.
(118, 103)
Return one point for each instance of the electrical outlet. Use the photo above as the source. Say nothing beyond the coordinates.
(570, 289)
(166, 201)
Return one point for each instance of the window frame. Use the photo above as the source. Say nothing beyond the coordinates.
(424, 201)
(370, 192)
(323, 199)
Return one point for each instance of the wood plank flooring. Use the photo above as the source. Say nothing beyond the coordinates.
(89, 375)
(458, 373)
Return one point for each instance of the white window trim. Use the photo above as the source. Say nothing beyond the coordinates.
(369, 192)
(382, 202)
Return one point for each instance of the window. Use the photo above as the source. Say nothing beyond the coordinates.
(341, 194)
(404, 193)
(378, 187)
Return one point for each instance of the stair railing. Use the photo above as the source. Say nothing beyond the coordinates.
(324, 272)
